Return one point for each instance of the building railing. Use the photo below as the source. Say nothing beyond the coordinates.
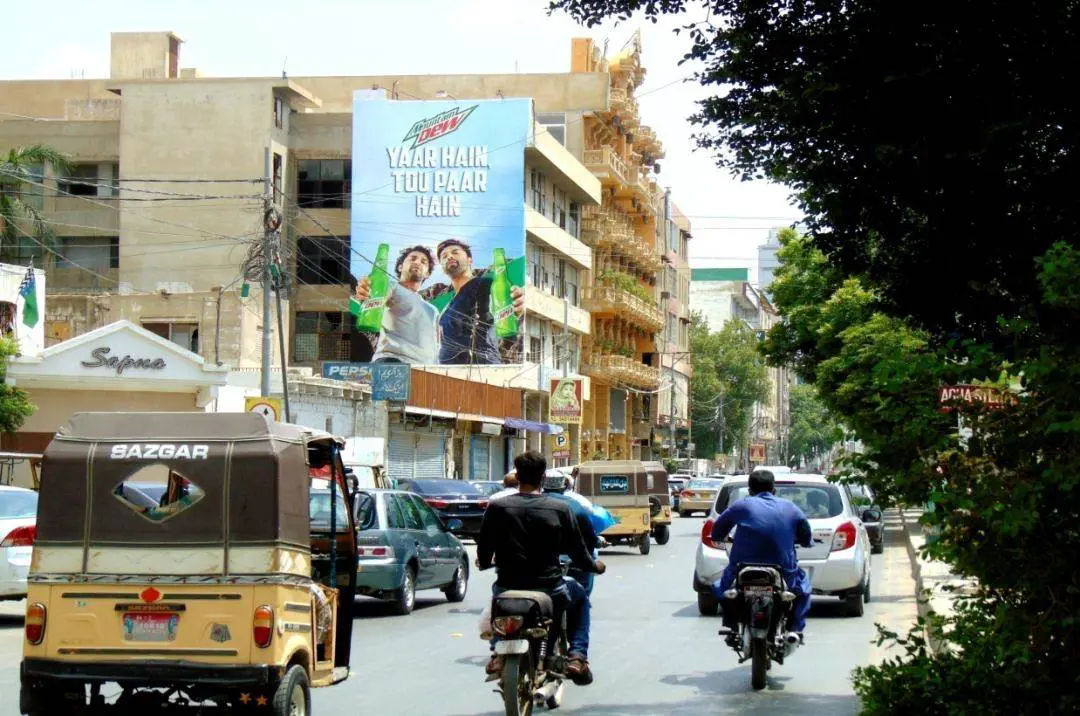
(605, 162)
(609, 299)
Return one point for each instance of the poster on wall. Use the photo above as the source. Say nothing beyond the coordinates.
(438, 229)
(564, 402)
(22, 307)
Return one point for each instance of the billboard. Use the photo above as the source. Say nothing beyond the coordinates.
(564, 402)
(438, 229)
(388, 381)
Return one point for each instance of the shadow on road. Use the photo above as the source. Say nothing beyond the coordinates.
(366, 608)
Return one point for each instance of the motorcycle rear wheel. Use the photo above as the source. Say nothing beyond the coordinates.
(517, 685)
(759, 663)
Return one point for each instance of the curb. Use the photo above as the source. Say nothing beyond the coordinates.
(922, 598)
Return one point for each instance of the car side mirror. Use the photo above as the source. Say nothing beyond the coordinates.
(454, 525)
(871, 515)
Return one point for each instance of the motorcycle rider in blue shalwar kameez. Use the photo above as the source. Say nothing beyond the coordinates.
(769, 529)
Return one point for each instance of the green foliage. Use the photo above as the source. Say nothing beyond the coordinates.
(15, 405)
(729, 377)
(626, 282)
(20, 171)
(942, 250)
(813, 428)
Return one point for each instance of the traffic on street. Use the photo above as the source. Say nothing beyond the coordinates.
(652, 652)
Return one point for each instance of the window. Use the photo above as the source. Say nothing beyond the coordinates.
(279, 113)
(321, 336)
(277, 176)
(22, 250)
(183, 333)
(534, 267)
(570, 278)
(319, 510)
(535, 350)
(324, 183)
(413, 520)
(573, 220)
(394, 514)
(558, 208)
(554, 123)
(432, 523)
(322, 260)
(539, 191)
(81, 181)
(89, 252)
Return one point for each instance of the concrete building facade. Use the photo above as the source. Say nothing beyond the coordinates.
(165, 201)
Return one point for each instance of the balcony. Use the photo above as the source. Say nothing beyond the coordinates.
(618, 99)
(646, 142)
(77, 280)
(606, 165)
(628, 371)
(602, 299)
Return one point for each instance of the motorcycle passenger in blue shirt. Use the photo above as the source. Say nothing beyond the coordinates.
(769, 529)
(556, 486)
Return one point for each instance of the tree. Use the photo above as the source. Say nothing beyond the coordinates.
(934, 156)
(729, 377)
(813, 429)
(21, 168)
(15, 405)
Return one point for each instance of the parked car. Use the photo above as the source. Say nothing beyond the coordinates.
(487, 487)
(452, 500)
(862, 497)
(403, 546)
(18, 532)
(838, 565)
(698, 495)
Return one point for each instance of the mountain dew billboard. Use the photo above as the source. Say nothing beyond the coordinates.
(438, 229)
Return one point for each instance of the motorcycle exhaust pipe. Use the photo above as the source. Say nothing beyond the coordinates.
(545, 692)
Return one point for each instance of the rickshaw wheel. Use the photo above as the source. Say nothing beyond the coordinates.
(292, 697)
(645, 544)
(662, 534)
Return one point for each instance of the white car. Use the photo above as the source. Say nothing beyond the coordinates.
(838, 564)
(18, 531)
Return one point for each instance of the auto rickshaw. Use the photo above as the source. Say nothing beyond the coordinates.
(190, 559)
(659, 501)
(621, 486)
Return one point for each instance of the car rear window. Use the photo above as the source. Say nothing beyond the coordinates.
(704, 484)
(817, 501)
(18, 505)
(430, 487)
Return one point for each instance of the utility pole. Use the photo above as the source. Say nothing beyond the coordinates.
(671, 409)
(268, 212)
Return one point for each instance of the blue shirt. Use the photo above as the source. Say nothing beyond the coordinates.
(768, 526)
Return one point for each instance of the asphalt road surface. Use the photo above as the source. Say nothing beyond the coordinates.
(651, 652)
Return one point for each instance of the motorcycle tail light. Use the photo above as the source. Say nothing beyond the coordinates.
(35, 623)
(505, 626)
(787, 596)
(706, 534)
(844, 537)
(731, 593)
(262, 626)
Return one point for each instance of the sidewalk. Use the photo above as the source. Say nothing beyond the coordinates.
(935, 584)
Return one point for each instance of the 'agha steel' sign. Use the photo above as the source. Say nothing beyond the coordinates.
(949, 395)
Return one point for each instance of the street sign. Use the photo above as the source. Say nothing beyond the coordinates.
(560, 445)
(269, 408)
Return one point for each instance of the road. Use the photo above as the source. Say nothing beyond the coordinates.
(651, 651)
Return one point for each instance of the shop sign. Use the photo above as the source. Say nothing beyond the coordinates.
(102, 359)
(757, 452)
(388, 381)
(565, 401)
(950, 395)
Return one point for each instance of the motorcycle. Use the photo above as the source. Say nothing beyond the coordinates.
(763, 605)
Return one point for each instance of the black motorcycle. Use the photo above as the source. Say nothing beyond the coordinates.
(763, 607)
(530, 634)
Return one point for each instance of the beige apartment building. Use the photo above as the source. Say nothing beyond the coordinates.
(165, 201)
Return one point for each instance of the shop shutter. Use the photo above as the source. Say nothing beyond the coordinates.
(401, 454)
(480, 458)
(430, 455)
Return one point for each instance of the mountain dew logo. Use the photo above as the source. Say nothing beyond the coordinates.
(442, 124)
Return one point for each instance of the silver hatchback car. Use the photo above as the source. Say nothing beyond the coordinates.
(839, 562)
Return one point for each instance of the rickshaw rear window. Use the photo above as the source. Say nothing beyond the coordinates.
(614, 483)
(18, 505)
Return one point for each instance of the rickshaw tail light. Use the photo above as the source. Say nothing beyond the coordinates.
(706, 535)
(35, 623)
(262, 626)
(21, 537)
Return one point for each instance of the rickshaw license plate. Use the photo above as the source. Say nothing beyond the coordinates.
(151, 627)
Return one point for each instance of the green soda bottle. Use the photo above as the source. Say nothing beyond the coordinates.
(370, 317)
(502, 304)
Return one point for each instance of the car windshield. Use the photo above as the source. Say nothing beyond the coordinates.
(18, 505)
(366, 516)
(435, 487)
(816, 501)
(319, 511)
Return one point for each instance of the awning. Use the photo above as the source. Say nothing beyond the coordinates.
(533, 426)
(447, 414)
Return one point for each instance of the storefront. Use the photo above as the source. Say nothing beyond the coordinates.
(118, 367)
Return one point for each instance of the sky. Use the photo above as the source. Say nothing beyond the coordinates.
(730, 218)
